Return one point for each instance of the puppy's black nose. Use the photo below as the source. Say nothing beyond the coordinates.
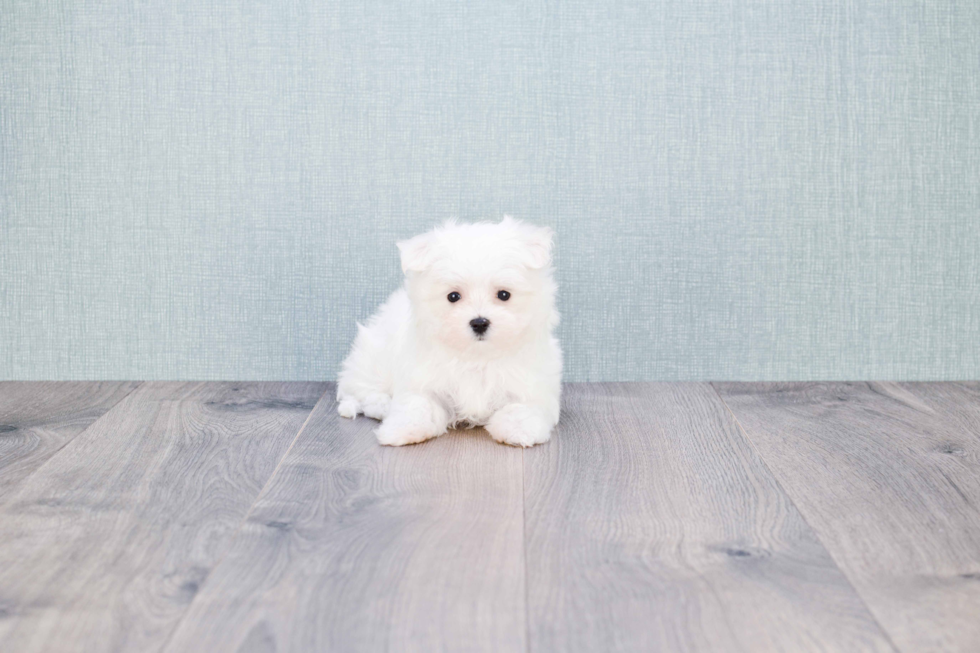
(479, 325)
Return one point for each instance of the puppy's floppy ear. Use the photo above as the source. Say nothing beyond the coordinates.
(537, 243)
(416, 253)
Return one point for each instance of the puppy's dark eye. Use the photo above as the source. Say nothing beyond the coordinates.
(453, 297)
(503, 295)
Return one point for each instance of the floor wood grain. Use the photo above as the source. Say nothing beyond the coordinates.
(37, 418)
(889, 477)
(652, 525)
(357, 547)
(239, 517)
(104, 546)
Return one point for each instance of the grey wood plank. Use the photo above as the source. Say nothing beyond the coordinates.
(37, 418)
(358, 547)
(652, 525)
(889, 477)
(104, 546)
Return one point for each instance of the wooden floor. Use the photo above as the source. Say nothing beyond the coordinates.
(661, 517)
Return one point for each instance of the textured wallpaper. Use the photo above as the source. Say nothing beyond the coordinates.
(741, 189)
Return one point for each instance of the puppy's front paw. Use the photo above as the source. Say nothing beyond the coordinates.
(347, 408)
(411, 419)
(376, 406)
(397, 435)
(519, 425)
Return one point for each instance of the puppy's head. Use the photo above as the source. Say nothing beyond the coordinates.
(481, 289)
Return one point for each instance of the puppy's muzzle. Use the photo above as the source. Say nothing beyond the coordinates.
(479, 325)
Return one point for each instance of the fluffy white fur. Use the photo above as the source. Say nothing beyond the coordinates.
(419, 366)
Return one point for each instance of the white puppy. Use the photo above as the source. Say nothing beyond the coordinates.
(467, 340)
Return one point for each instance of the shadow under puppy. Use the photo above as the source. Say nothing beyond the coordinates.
(468, 340)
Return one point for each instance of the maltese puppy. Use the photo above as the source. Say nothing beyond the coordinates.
(467, 341)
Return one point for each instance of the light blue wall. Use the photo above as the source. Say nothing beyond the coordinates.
(742, 189)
